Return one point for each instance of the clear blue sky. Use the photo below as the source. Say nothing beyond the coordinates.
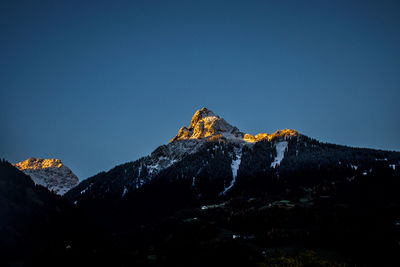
(97, 83)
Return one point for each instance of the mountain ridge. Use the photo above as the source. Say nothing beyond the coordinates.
(213, 157)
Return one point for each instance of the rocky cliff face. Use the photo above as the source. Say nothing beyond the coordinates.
(206, 125)
(50, 173)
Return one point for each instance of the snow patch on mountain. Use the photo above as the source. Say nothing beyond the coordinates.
(125, 191)
(280, 153)
(354, 167)
(167, 155)
(235, 167)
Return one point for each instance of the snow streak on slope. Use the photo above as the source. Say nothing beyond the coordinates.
(125, 191)
(235, 166)
(280, 153)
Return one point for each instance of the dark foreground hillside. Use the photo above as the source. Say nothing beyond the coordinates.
(315, 217)
(27, 216)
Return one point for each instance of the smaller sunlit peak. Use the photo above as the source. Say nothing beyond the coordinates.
(36, 163)
(285, 133)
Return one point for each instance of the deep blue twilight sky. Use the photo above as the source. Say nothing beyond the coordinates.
(98, 83)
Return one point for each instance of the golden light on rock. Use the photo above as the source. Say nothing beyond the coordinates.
(268, 137)
(36, 164)
(207, 126)
(204, 125)
(210, 127)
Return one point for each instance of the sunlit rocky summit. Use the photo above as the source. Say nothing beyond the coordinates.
(50, 173)
(206, 125)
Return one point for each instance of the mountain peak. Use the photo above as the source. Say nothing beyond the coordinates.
(205, 124)
(50, 173)
(201, 114)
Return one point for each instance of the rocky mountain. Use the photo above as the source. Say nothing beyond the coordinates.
(50, 173)
(214, 159)
(206, 125)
